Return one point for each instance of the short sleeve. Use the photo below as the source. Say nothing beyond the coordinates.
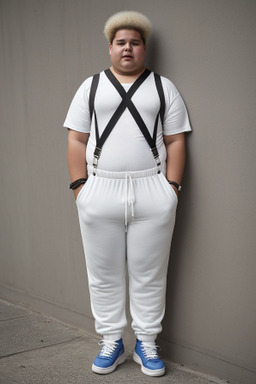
(78, 116)
(176, 118)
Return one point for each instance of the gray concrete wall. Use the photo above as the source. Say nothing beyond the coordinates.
(207, 48)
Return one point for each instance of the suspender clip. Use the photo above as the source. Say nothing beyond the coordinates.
(96, 156)
(156, 156)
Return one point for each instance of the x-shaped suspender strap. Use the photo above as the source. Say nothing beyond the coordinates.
(126, 103)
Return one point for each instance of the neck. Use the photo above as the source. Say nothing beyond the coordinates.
(126, 77)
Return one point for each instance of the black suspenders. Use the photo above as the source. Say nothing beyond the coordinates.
(94, 85)
(126, 103)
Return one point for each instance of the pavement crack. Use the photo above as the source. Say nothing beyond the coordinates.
(14, 318)
(42, 347)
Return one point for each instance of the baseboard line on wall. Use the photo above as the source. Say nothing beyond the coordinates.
(61, 312)
(189, 357)
(207, 362)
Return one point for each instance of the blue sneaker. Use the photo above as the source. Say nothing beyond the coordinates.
(146, 355)
(111, 355)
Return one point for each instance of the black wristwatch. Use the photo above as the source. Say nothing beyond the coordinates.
(175, 184)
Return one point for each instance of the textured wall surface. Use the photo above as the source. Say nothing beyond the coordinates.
(207, 48)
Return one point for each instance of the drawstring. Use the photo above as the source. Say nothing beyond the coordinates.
(129, 197)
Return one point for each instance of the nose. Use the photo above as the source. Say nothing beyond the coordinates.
(128, 47)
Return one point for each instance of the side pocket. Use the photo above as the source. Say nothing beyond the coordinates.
(172, 190)
(82, 190)
(169, 187)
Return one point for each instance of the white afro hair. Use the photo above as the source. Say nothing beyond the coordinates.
(128, 20)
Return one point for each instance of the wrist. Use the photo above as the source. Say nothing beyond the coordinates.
(176, 185)
(77, 183)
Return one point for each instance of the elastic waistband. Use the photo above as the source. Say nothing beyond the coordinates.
(123, 175)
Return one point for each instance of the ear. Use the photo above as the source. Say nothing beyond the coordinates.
(109, 48)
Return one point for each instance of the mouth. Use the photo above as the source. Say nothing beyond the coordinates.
(127, 57)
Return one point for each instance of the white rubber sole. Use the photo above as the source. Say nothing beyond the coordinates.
(112, 368)
(146, 371)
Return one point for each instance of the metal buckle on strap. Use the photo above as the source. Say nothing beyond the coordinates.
(96, 156)
(156, 156)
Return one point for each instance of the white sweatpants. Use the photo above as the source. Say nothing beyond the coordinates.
(127, 218)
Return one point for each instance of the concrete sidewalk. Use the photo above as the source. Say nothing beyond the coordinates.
(37, 349)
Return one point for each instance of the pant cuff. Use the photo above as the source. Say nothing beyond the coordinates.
(112, 336)
(147, 338)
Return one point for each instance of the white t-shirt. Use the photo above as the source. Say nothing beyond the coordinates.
(126, 149)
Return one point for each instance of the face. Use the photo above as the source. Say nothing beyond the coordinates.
(127, 52)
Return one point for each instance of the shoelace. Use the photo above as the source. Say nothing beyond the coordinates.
(149, 350)
(108, 348)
